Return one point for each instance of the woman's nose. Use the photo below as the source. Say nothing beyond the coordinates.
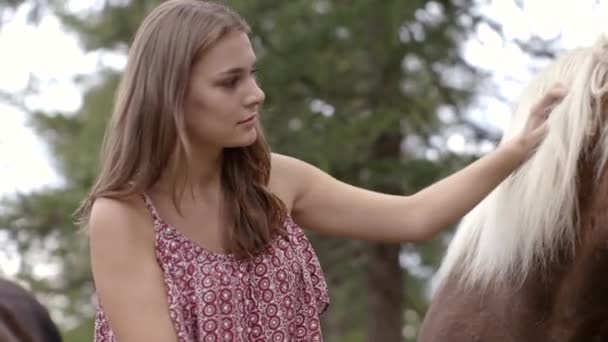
(256, 95)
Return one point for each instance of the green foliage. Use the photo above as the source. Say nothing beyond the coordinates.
(84, 332)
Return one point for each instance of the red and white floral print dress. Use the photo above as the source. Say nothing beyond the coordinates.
(277, 295)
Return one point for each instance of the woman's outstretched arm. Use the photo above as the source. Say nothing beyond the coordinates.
(326, 205)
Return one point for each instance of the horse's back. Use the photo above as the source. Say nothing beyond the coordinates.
(23, 317)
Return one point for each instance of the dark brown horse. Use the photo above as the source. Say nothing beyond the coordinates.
(23, 318)
(530, 263)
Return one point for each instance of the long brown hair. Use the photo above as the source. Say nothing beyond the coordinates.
(148, 130)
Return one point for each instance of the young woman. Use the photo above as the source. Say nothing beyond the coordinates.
(194, 224)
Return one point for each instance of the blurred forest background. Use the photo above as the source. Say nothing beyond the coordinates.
(368, 90)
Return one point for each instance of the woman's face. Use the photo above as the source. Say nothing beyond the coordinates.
(223, 99)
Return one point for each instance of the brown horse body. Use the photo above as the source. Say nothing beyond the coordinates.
(565, 299)
(23, 318)
(565, 302)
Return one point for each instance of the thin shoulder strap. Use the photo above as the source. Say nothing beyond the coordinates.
(150, 207)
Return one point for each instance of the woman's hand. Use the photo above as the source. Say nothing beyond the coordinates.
(536, 128)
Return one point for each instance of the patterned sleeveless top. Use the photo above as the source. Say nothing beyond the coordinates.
(278, 295)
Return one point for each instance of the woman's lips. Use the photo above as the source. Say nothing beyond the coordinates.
(249, 119)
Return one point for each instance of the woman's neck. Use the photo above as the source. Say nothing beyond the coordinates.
(200, 176)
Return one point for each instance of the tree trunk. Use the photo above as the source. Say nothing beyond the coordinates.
(385, 295)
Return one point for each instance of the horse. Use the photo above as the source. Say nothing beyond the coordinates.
(23, 318)
(530, 262)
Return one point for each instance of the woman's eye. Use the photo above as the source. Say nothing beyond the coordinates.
(231, 82)
(234, 81)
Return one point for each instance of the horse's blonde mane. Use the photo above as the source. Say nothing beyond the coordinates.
(531, 214)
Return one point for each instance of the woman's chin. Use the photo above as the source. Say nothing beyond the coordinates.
(245, 140)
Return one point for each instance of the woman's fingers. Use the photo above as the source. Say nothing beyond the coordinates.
(543, 107)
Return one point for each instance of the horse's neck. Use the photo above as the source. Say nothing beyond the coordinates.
(581, 300)
(566, 301)
(570, 292)
(12, 328)
(7, 334)
(23, 318)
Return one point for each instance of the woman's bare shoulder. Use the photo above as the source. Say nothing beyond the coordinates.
(115, 222)
(288, 177)
(126, 273)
